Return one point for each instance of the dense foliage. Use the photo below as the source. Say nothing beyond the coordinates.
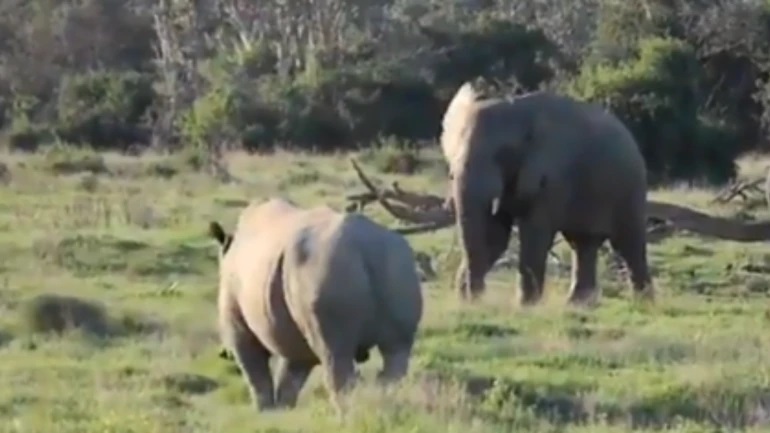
(689, 77)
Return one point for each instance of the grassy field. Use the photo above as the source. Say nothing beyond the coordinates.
(130, 233)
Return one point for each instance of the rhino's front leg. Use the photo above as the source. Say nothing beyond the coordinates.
(251, 356)
(253, 360)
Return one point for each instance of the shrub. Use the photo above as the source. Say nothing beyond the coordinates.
(622, 25)
(658, 96)
(763, 97)
(63, 159)
(494, 49)
(29, 138)
(359, 97)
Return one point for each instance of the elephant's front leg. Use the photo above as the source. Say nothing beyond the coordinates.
(585, 251)
(497, 237)
(535, 241)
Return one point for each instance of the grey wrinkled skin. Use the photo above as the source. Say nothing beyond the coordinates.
(313, 287)
(551, 165)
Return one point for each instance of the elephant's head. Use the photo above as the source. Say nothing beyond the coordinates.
(485, 144)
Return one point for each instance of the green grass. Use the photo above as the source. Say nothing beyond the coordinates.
(130, 237)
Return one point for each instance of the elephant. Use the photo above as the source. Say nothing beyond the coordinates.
(313, 286)
(549, 164)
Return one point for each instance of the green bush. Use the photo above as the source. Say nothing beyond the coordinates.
(68, 159)
(104, 109)
(622, 25)
(28, 137)
(360, 97)
(495, 49)
(693, 96)
(762, 96)
(658, 96)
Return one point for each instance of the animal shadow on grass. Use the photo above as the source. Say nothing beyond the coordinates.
(57, 314)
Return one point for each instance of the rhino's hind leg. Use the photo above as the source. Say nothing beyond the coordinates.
(340, 372)
(291, 378)
(331, 340)
(395, 364)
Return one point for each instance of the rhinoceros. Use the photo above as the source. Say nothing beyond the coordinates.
(314, 286)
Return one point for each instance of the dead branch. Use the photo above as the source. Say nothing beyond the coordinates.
(425, 212)
(740, 189)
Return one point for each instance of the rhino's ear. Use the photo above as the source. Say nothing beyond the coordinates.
(218, 233)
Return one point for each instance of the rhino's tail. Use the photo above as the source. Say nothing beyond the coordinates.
(456, 117)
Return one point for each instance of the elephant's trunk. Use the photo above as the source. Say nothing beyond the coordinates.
(471, 210)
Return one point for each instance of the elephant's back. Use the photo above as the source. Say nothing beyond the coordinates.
(607, 176)
(608, 153)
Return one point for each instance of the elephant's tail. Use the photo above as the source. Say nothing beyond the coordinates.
(456, 117)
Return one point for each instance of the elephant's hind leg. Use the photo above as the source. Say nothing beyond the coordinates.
(631, 245)
(585, 251)
(291, 379)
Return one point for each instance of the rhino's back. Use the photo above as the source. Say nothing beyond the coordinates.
(327, 280)
(265, 215)
(389, 262)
